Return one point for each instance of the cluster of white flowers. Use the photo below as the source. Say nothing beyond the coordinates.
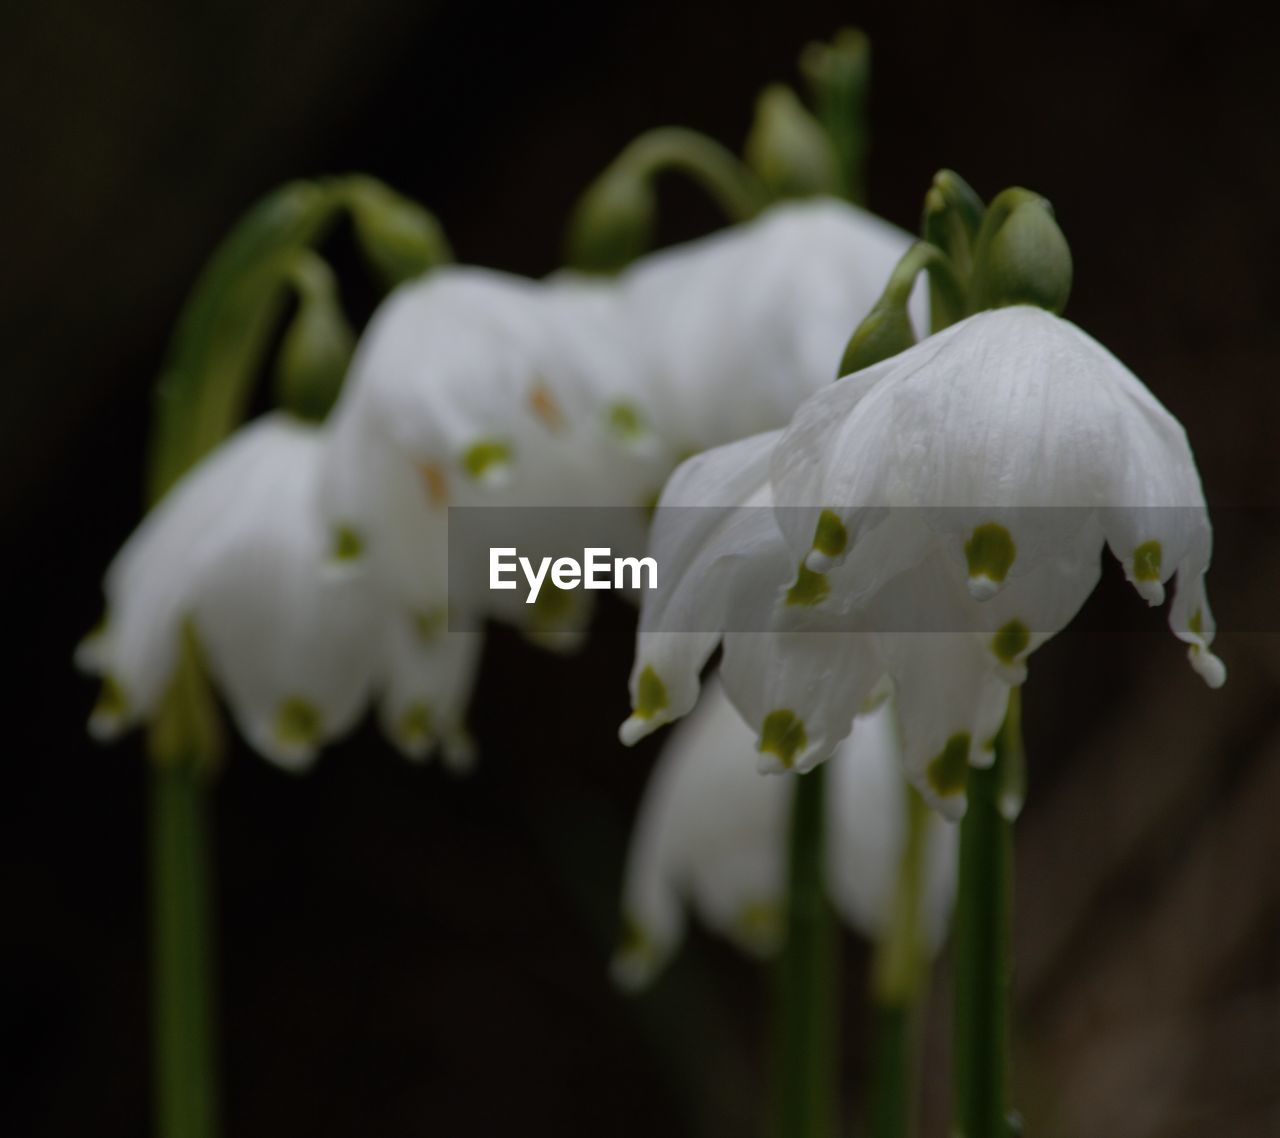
(312, 562)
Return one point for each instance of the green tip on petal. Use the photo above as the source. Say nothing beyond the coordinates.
(1196, 624)
(486, 458)
(990, 553)
(430, 623)
(651, 694)
(810, 588)
(347, 544)
(782, 734)
(417, 725)
(1010, 641)
(1146, 561)
(626, 421)
(297, 723)
(758, 926)
(948, 773)
(112, 706)
(830, 538)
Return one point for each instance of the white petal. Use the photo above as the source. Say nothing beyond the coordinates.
(288, 643)
(738, 327)
(799, 690)
(710, 831)
(430, 663)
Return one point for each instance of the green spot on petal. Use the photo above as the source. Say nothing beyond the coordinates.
(783, 735)
(1146, 561)
(626, 421)
(297, 723)
(483, 457)
(949, 772)
(417, 724)
(1010, 641)
(111, 703)
(430, 623)
(347, 544)
(633, 940)
(990, 552)
(830, 536)
(810, 587)
(651, 694)
(759, 924)
(1196, 623)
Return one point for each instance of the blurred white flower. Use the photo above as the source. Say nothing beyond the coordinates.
(236, 549)
(712, 837)
(474, 388)
(737, 328)
(934, 518)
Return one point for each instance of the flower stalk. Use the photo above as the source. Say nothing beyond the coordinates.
(898, 983)
(983, 971)
(808, 995)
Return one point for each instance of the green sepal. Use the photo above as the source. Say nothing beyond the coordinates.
(788, 148)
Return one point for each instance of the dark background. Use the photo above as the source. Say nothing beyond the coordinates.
(407, 954)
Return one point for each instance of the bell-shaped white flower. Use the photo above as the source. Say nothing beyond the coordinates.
(712, 837)
(237, 550)
(737, 328)
(484, 390)
(924, 524)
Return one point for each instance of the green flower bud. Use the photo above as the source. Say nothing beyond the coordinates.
(885, 331)
(613, 222)
(839, 76)
(788, 148)
(1022, 256)
(317, 346)
(399, 239)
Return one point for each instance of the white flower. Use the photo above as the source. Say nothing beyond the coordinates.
(237, 549)
(935, 518)
(736, 329)
(477, 389)
(712, 836)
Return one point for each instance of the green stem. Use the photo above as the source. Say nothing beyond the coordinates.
(724, 176)
(982, 948)
(898, 983)
(809, 1015)
(186, 1101)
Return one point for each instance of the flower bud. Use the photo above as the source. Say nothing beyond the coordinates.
(317, 346)
(885, 331)
(1023, 258)
(399, 239)
(612, 224)
(788, 148)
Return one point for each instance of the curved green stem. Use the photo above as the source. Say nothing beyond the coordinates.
(808, 990)
(898, 981)
(982, 948)
(726, 178)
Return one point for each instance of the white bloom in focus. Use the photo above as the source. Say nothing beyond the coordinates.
(712, 836)
(737, 328)
(934, 518)
(237, 549)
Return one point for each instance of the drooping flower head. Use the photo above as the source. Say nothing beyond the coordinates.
(920, 527)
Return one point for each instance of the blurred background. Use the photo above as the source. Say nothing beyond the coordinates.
(404, 953)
